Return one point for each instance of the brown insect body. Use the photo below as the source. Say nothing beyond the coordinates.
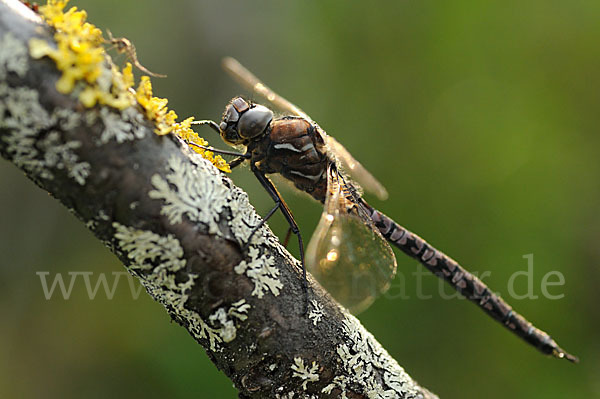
(294, 148)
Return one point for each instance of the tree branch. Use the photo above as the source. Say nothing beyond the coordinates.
(177, 223)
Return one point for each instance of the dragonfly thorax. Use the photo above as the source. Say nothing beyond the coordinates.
(243, 121)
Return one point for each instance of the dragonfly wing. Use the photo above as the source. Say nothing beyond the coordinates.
(347, 254)
(248, 80)
(354, 168)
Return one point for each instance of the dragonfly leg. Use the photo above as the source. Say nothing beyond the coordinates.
(223, 152)
(259, 225)
(286, 240)
(236, 162)
(287, 213)
(212, 124)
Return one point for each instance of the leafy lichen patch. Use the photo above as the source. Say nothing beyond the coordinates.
(199, 193)
(22, 115)
(226, 318)
(304, 372)
(126, 125)
(316, 312)
(185, 191)
(61, 155)
(244, 219)
(156, 259)
(13, 56)
(262, 272)
(368, 367)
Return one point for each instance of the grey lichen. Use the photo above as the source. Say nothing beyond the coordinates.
(199, 193)
(158, 258)
(190, 192)
(61, 155)
(146, 247)
(126, 125)
(225, 318)
(316, 312)
(304, 372)
(262, 271)
(244, 218)
(364, 361)
(22, 115)
(13, 56)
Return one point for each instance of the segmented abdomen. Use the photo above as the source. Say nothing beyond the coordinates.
(464, 282)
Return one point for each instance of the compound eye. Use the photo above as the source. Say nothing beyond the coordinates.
(231, 115)
(254, 121)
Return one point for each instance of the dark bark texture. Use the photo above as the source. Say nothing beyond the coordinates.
(179, 224)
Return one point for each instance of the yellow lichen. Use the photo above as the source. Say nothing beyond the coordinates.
(80, 56)
(155, 107)
(183, 129)
(164, 119)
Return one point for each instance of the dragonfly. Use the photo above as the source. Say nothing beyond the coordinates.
(349, 253)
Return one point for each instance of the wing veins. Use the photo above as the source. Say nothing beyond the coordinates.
(357, 171)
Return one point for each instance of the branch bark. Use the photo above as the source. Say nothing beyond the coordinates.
(178, 224)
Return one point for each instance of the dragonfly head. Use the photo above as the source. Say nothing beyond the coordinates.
(242, 121)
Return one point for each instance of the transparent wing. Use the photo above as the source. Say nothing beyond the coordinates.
(248, 80)
(358, 172)
(355, 169)
(347, 254)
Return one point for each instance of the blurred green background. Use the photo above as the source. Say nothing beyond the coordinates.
(481, 118)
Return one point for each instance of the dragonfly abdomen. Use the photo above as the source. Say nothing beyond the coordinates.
(465, 283)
